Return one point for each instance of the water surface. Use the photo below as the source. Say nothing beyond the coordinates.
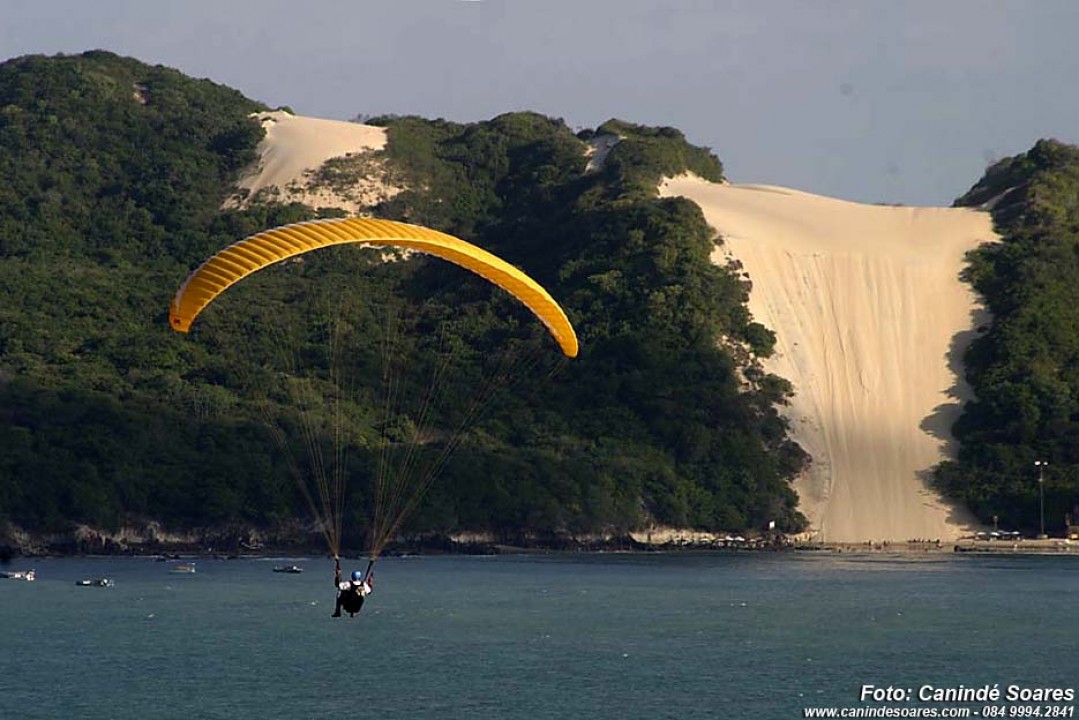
(543, 636)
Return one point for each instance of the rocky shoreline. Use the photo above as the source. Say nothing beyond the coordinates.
(150, 538)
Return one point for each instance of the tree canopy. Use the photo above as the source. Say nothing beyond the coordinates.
(115, 176)
(1024, 368)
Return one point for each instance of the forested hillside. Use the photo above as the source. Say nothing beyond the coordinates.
(115, 173)
(1024, 369)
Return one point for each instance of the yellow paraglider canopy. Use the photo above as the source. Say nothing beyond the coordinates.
(254, 253)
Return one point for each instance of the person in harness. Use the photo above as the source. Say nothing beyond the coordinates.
(352, 593)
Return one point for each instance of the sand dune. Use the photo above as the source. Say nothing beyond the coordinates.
(871, 320)
(599, 148)
(294, 149)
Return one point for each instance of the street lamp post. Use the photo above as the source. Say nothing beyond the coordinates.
(1041, 465)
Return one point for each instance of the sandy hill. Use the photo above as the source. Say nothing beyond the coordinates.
(292, 164)
(866, 302)
(871, 321)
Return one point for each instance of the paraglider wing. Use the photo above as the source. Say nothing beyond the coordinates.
(254, 253)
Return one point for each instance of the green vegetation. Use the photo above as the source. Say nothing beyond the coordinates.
(1025, 368)
(652, 410)
(643, 154)
(116, 172)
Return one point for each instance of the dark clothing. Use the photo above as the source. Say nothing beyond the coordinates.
(351, 601)
(350, 596)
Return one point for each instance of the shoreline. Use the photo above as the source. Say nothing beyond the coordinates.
(473, 545)
(433, 545)
(145, 537)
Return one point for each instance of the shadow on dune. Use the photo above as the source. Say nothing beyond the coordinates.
(940, 422)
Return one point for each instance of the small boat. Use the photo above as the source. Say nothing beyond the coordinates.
(27, 575)
(95, 582)
(186, 569)
(293, 569)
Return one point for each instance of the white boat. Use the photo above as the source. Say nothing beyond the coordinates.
(95, 582)
(293, 569)
(27, 575)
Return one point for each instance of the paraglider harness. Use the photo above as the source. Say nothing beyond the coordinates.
(351, 594)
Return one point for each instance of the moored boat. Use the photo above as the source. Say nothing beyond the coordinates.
(27, 575)
(293, 569)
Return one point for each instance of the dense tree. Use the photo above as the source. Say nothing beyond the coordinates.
(1024, 368)
(115, 176)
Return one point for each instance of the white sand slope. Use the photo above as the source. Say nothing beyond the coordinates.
(294, 149)
(598, 149)
(871, 321)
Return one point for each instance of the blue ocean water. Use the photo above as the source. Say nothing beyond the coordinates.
(529, 636)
